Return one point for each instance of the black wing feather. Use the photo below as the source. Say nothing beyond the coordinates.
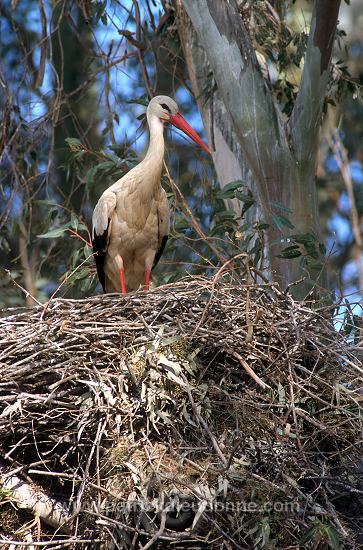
(99, 244)
(159, 253)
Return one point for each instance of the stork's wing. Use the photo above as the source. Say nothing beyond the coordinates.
(160, 250)
(101, 228)
(163, 226)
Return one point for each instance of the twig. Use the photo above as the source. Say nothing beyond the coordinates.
(341, 157)
(249, 371)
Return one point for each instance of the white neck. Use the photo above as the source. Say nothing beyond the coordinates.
(155, 153)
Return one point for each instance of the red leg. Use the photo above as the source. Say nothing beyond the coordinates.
(147, 280)
(122, 280)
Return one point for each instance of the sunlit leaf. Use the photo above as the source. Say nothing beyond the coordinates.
(53, 233)
(74, 221)
(74, 143)
(228, 190)
(290, 252)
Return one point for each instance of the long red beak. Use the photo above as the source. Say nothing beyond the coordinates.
(179, 122)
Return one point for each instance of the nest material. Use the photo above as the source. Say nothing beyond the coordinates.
(202, 414)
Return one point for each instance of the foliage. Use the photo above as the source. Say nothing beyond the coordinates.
(67, 124)
(282, 41)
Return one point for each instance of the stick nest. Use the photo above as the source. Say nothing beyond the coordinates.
(202, 414)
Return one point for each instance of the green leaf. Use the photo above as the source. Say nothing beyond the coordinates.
(142, 100)
(256, 247)
(261, 226)
(4, 245)
(102, 167)
(317, 266)
(333, 536)
(228, 190)
(281, 207)
(311, 250)
(74, 221)
(54, 233)
(78, 275)
(257, 257)
(81, 226)
(87, 284)
(244, 227)
(75, 258)
(106, 165)
(309, 283)
(181, 225)
(87, 251)
(246, 198)
(290, 252)
(47, 202)
(244, 244)
(74, 144)
(281, 221)
(115, 159)
(220, 228)
(90, 175)
(303, 238)
(80, 154)
(225, 215)
(308, 535)
(265, 531)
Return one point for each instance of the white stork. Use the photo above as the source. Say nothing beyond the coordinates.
(131, 219)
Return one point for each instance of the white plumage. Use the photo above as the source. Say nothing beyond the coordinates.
(131, 218)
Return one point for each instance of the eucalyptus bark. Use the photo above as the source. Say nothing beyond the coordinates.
(281, 154)
(229, 161)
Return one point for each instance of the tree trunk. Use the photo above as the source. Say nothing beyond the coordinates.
(281, 155)
(228, 158)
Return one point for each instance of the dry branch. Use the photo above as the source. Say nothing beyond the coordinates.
(34, 500)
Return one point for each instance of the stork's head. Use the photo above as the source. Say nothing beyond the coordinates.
(167, 110)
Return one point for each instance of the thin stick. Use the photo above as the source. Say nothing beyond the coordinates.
(249, 371)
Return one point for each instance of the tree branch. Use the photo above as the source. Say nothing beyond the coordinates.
(306, 116)
(32, 498)
(43, 47)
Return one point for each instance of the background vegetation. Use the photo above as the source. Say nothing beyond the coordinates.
(76, 77)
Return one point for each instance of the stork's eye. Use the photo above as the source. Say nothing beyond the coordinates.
(164, 106)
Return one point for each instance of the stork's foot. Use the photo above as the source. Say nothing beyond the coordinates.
(147, 280)
(122, 281)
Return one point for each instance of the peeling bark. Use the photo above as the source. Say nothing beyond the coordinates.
(256, 120)
(281, 157)
(305, 119)
(326, 14)
(228, 158)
